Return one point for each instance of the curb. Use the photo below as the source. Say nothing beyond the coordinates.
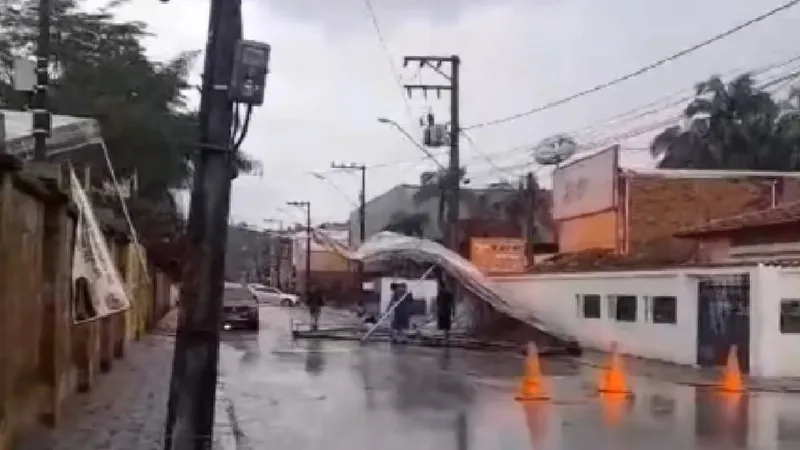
(703, 384)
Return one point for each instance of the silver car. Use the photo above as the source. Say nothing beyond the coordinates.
(239, 307)
(271, 295)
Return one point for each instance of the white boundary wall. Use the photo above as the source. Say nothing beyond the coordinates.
(553, 298)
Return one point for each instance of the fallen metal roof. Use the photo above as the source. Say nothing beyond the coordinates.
(388, 246)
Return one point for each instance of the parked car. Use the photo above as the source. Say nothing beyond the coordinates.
(239, 306)
(268, 294)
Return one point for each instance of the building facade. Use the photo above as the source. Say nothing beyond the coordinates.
(481, 213)
(597, 205)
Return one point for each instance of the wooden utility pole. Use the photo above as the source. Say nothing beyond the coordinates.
(454, 169)
(41, 114)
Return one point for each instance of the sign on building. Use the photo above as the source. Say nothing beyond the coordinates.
(586, 186)
(498, 255)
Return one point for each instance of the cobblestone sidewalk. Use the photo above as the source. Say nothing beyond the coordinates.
(127, 408)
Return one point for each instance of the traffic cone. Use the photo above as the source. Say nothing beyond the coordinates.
(613, 379)
(532, 388)
(731, 380)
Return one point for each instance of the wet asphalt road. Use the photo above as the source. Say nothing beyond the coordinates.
(337, 395)
(280, 394)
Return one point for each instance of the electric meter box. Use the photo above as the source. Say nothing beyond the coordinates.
(250, 68)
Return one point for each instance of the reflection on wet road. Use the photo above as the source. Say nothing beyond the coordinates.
(338, 395)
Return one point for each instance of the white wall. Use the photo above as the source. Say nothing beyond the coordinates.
(779, 354)
(554, 299)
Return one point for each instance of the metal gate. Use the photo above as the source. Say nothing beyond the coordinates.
(723, 319)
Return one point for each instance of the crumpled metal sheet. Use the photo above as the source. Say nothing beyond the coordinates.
(387, 245)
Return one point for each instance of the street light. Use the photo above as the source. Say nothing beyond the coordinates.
(408, 136)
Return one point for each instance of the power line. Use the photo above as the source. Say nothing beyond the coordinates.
(776, 83)
(640, 71)
(385, 46)
(781, 79)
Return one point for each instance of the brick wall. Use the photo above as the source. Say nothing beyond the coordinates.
(661, 206)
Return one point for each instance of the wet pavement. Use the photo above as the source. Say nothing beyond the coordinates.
(279, 394)
(339, 395)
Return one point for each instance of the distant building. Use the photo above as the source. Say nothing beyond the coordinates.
(481, 216)
(330, 270)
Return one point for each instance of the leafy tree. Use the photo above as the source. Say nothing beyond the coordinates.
(435, 185)
(408, 224)
(100, 69)
(735, 126)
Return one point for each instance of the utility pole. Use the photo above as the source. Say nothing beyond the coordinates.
(192, 396)
(41, 114)
(307, 282)
(454, 169)
(362, 207)
(275, 247)
(529, 199)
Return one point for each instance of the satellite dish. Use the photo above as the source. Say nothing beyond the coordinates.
(554, 150)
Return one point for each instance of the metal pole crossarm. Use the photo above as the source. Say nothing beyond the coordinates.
(424, 59)
(352, 166)
(428, 87)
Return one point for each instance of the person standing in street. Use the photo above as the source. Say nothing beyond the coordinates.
(400, 315)
(314, 303)
(445, 307)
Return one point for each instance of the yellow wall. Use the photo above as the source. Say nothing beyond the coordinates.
(597, 230)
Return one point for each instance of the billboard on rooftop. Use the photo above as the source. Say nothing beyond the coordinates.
(586, 186)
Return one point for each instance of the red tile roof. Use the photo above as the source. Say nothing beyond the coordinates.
(783, 214)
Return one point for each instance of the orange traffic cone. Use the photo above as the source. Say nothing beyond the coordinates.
(731, 380)
(532, 388)
(613, 380)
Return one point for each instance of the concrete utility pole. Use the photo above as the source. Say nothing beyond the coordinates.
(362, 207)
(41, 114)
(275, 247)
(529, 199)
(307, 282)
(191, 404)
(454, 169)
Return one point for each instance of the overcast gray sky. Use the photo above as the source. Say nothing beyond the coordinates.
(331, 78)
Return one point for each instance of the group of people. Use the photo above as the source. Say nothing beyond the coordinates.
(400, 305)
(401, 316)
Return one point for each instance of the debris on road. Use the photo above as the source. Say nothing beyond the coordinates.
(419, 338)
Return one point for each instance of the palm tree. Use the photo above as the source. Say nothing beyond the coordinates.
(735, 126)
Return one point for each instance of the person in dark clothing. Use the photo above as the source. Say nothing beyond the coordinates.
(401, 313)
(314, 303)
(445, 308)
